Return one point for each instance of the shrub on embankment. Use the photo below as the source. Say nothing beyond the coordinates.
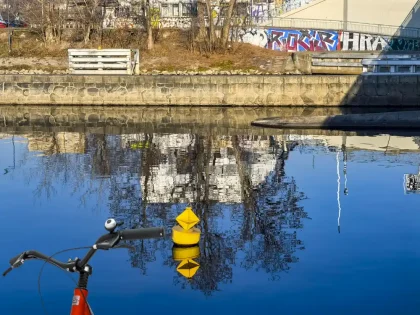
(172, 52)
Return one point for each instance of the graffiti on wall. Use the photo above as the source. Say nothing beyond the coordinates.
(175, 22)
(289, 5)
(257, 37)
(292, 40)
(321, 40)
(262, 12)
(304, 40)
(367, 42)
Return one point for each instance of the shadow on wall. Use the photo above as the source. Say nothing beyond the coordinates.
(412, 19)
(391, 90)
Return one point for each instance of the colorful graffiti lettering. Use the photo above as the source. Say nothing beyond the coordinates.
(305, 40)
(292, 40)
(317, 40)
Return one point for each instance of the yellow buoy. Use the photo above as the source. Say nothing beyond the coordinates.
(181, 253)
(188, 268)
(186, 255)
(185, 237)
(185, 233)
(187, 219)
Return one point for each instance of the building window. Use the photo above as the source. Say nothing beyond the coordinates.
(165, 10)
(122, 12)
(176, 10)
(186, 9)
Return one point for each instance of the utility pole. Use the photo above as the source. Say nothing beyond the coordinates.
(345, 14)
(252, 6)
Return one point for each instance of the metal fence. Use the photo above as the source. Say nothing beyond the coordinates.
(379, 29)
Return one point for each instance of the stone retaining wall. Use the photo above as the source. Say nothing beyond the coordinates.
(302, 90)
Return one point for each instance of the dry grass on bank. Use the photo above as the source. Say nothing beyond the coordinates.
(172, 52)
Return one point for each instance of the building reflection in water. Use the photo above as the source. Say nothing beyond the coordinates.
(237, 185)
(250, 210)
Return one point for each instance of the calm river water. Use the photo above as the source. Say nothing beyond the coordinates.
(291, 223)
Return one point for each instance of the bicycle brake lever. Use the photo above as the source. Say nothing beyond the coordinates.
(15, 262)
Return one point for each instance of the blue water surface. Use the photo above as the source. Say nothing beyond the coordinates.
(277, 237)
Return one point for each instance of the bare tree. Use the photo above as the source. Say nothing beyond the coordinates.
(212, 23)
(88, 14)
(46, 16)
(50, 16)
(227, 24)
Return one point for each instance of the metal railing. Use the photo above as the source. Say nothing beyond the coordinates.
(358, 27)
(389, 66)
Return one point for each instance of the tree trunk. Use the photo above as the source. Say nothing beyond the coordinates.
(226, 24)
(87, 34)
(201, 6)
(149, 36)
(149, 27)
(212, 32)
(49, 36)
(48, 24)
(201, 36)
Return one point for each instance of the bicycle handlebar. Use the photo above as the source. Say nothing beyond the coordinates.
(105, 242)
(32, 254)
(137, 234)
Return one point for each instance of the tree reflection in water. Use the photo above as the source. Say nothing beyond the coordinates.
(237, 185)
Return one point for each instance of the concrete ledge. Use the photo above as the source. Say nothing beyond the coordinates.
(383, 121)
(210, 90)
(336, 70)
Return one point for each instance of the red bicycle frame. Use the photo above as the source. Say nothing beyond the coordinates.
(79, 305)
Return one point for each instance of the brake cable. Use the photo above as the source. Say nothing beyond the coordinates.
(42, 268)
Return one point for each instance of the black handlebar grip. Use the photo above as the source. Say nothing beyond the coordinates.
(7, 271)
(139, 234)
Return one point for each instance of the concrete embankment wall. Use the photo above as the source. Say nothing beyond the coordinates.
(210, 90)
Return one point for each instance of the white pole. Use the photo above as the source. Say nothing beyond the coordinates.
(338, 189)
(345, 14)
